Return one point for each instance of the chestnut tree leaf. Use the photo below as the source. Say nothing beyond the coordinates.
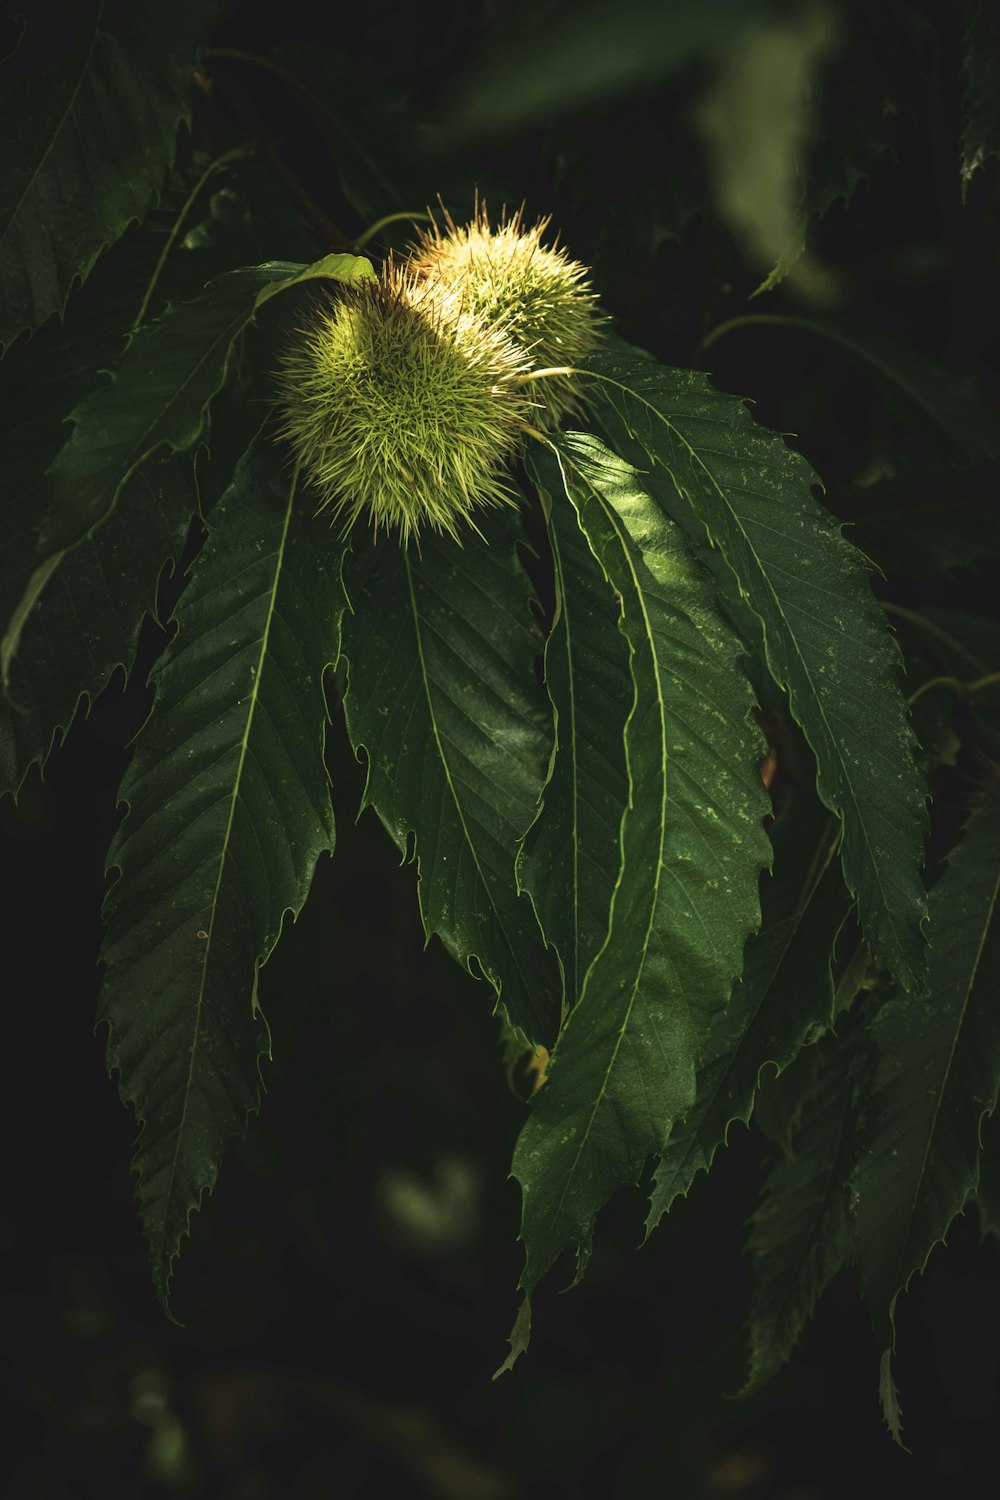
(228, 810)
(692, 846)
(937, 1077)
(157, 398)
(90, 106)
(443, 702)
(826, 640)
(570, 857)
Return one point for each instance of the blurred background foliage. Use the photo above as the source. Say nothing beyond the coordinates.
(347, 1291)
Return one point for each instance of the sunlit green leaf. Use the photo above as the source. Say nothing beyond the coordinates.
(570, 858)
(692, 848)
(826, 639)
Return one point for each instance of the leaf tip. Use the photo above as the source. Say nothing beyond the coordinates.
(518, 1338)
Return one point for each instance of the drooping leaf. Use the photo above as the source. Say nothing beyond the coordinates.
(161, 388)
(785, 993)
(800, 1234)
(692, 847)
(229, 809)
(981, 65)
(570, 857)
(443, 701)
(87, 623)
(91, 105)
(157, 398)
(826, 639)
(938, 1074)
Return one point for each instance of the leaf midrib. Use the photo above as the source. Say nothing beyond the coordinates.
(945, 1079)
(252, 700)
(511, 947)
(696, 459)
(612, 516)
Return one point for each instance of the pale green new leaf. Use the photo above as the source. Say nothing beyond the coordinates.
(229, 809)
(158, 398)
(938, 1074)
(826, 640)
(443, 701)
(692, 846)
(570, 857)
(89, 112)
(785, 993)
(800, 1234)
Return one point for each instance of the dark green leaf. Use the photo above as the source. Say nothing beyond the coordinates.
(87, 623)
(88, 124)
(229, 808)
(938, 1074)
(570, 857)
(800, 1234)
(826, 639)
(785, 993)
(443, 701)
(692, 848)
(157, 398)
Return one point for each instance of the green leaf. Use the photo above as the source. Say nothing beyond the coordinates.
(570, 857)
(229, 809)
(87, 623)
(826, 639)
(692, 847)
(800, 1234)
(157, 398)
(938, 1075)
(785, 993)
(981, 65)
(443, 701)
(88, 123)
